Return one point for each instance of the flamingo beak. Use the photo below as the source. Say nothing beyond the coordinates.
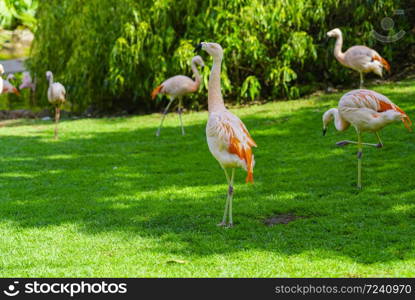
(324, 131)
(198, 47)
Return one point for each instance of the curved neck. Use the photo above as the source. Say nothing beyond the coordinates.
(215, 100)
(339, 122)
(338, 49)
(196, 74)
(50, 80)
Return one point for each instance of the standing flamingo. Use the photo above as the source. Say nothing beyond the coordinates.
(359, 58)
(367, 111)
(28, 83)
(8, 87)
(56, 96)
(227, 137)
(1, 79)
(177, 87)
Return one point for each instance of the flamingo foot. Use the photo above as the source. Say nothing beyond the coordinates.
(342, 143)
(221, 224)
(230, 225)
(379, 145)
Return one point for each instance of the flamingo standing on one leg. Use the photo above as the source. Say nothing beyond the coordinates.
(57, 97)
(359, 58)
(177, 87)
(367, 111)
(228, 139)
(8, 87)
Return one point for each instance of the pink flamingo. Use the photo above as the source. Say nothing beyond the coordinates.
(8, 87)
(359, 58)
(366, 111)
(56, 97)
(177, 87)
(227, 137)
(27, 82)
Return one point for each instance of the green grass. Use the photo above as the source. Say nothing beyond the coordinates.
(111, 199)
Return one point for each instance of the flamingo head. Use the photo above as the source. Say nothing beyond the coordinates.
(1, 69)
(198, 60)
(10, 77)
(213, 49)
(334, 33)
(327, 118)
(49, 75)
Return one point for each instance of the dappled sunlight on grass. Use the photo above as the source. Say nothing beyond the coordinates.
(114, 200)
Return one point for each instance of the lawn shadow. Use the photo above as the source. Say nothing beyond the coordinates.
(171, 189)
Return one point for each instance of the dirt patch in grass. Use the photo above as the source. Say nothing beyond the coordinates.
(281, 219)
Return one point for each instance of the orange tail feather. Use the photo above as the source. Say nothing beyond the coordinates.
(16, 91)
(244, 153)
(249, 164)
(384, 62)
(250, 177)
(405, 119)
(156, 91)
(383, 106)
(386, 65)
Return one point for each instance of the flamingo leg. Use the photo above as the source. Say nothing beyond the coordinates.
(225, 213)
(380, 144)
(361, 80)
(344, 143)
(359, 160)
(164, 116)
(230, 196)
(180, 115)
(57, 117)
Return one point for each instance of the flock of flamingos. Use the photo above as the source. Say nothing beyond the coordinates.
(229, 140)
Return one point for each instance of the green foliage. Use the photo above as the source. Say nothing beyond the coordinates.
(18, 12)
(113, 53)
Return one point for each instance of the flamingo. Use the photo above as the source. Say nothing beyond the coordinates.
(227, 137)
(1, 79)
(359, 58)
(57, 97)
(177, 87)
(27, 82)
(366, 111)
(8, 87)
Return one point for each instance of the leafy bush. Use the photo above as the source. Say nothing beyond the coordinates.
(18, 12)
(111, 54)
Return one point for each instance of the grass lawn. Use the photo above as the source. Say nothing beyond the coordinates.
(109, 199)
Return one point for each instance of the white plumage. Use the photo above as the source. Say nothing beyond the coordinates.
(366, 111)
(57, 97)
(227, 137)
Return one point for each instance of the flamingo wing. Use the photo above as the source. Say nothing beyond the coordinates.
(376, 102)
(230, 141)
(178, 85)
